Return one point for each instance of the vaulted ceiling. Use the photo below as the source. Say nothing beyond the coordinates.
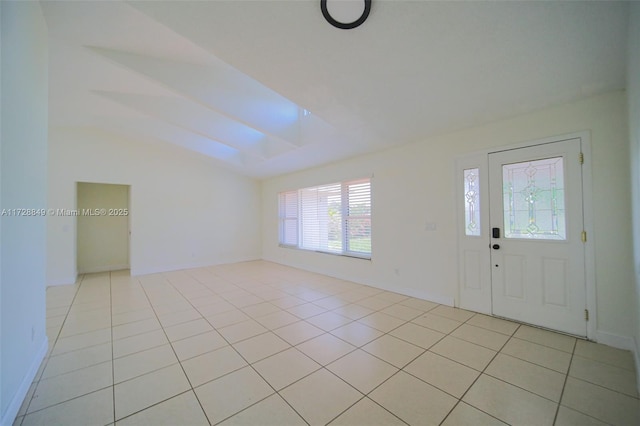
(269, 87)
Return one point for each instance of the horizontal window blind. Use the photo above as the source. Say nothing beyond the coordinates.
(288, 215)
(334, 218)
(358, 220)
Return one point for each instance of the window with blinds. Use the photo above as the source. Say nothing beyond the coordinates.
(334, 218)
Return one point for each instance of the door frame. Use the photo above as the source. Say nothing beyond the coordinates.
(76, 227)
(478, 297)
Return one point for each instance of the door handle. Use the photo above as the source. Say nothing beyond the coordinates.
(496, 246)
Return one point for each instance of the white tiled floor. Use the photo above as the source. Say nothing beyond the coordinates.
(257, 343)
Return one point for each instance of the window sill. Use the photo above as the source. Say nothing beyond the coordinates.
(351, 255)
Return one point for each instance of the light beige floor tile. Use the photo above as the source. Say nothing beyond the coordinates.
(144, 391)
(176, 318)
(466, 415)
(539, 380)
(288, 302)
(353, 311)
(423, 305)
(241, 331)
(601, 403)
(277, 319)
(204, 297)
(381, 321)
(413, 400)
(366, 412)
(568, 417)
(509, 403)
(469, 354)
(232, 393)
(443, 373)
(306, 310)
(27, 400)
(546, 338)
(76, 360)
(393, 350)
(71, 385)
(187, 329)
(494, 324)
(286, 367)
(481, 336)
(320, 397)
(311, 295)
(261, 346)
(198, 345)
(402, 312)
(298, 332)
(134, 328)
(375, 303)
(328, 321)
(260, 309)
(605, 354)
(244, 301)
(362, 370)
(211, 365)
(452, 313)
(608, 376)
(132, 316)
(183, 409)
(538, 354)
(356, 333)
(271, 411)
(224, 319)
(139, 342)
(91, 409)
(417, 335)
(325, 348)
(216, 308)
(437, 322)
(391, 296)
(56, 321)
(331, 302)
(71, 329)
(144, 362)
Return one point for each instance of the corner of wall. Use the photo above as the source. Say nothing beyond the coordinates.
(21, 393)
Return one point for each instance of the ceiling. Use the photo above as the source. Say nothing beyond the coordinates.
(269, 87)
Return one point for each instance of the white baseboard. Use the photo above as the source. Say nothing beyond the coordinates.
(21, 393)
(620, 342)
(419, 294)
(406, 291)
(146, 271)
(66, 281)
(104, 269)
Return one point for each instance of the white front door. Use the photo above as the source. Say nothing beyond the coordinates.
(536, 229)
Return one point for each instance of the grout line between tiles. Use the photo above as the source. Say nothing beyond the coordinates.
(248, 365)
(474, 382)
(176, 355)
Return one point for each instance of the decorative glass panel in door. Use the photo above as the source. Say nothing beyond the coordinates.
(533, 193)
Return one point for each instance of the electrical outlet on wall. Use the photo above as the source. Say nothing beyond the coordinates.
(430, 226)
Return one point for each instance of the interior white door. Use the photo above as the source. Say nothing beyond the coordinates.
(537, 249)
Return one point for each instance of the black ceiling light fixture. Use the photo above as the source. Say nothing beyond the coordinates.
(346, 25)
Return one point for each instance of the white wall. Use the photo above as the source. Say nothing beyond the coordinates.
(185, 210)
(414, 185)
(23, 185)
(103, 239)
(633, 93)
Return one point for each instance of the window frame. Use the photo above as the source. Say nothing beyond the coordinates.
(345, 219)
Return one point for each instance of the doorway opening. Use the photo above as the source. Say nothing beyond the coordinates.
(102, 227)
